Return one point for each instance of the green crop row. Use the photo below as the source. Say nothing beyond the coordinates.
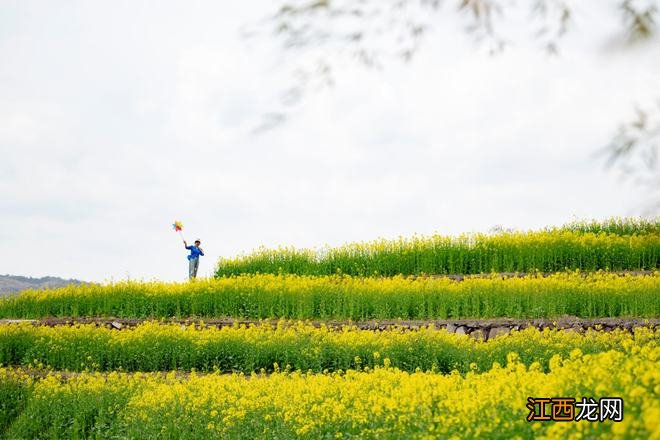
(158, 347)
(345, 297)
(545, 251)
(382, 403)
(615, 225)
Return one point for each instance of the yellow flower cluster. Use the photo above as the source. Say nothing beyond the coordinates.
(384, 402)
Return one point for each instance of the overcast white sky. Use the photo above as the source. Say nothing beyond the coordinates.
(117, 117)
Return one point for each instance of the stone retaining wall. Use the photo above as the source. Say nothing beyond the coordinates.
(483, 329)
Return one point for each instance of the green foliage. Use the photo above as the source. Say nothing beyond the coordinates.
(345, 297)
(44, 413)
(615, 245)
(615, 225)
(297, 346)
(14, 389)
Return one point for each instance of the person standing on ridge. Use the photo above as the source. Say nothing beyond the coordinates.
(193, 258)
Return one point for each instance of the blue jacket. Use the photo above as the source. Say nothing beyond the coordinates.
(195, 252)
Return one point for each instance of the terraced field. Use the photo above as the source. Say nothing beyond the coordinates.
(364, 341)
(613, 245)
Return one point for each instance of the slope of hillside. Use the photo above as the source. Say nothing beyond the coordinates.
(15, 283)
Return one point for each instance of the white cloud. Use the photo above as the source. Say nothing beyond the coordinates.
(115, 121)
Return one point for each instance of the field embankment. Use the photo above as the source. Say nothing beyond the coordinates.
(390, 346)
(586, 247)
(366, 404)
(153, 346)
(358, 299)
